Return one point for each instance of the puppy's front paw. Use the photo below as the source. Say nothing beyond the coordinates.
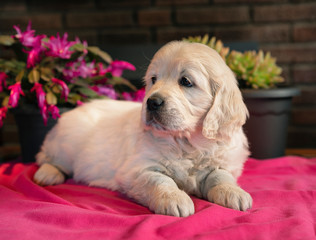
(231, 196)
(174, 203)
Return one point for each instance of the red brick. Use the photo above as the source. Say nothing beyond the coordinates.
(154, 17)
(286, 73)
(293, 53)
(7, 5)
(165, 35)
(106, 4)
(249, 1)
(90, 36)
(307, 96)
(298, 1)
(287, 12)
(304, 74)
(180, 2)
(129, 36)
(267, 33)
(39, 21)
(99, 19)
(47, 21)
(304, 116)
(59, 5)
(304, 33)
(207, 15)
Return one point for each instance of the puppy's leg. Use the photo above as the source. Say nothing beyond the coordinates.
(47, 174)
(161, 194)
(221, 188)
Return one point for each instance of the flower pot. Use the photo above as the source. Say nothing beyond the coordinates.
(267, 126)
(31, 129)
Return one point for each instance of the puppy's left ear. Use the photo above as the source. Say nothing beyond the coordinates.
(228, 112)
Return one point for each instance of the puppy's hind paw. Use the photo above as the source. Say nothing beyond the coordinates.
(47, 174)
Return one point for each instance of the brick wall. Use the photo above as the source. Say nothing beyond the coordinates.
(287, 28)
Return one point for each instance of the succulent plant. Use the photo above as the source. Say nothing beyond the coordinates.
(212, 43)
(252, 69)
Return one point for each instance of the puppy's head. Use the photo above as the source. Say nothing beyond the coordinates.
(189, 87)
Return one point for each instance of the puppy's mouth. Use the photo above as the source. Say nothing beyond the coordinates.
(165, 121)
(162, 127)
(155, 121)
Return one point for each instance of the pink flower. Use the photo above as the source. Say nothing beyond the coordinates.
(137, 96)
(3, 114)
(86, 70)
(105, 91)
(70, 71)
(44, 113)
(101, 70)
(16, 90)
(54, 111)
(59, 47)
(79, 69)
(79, 103)
(42, 104)
(3, 78)
(27, 38)
(117, 67)
(84, 43)
(33, 57)
(64, 87)
(40, 94)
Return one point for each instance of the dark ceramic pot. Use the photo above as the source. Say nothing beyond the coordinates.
(267, 126)
(32, 130)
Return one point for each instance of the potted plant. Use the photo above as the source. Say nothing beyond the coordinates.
(267, 98)
(45, 76)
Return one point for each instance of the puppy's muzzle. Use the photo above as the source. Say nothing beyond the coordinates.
(154, 103)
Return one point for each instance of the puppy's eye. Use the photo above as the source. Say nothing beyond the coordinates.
(184, 81)
(153, 79)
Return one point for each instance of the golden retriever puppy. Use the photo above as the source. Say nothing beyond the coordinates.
(185, 138)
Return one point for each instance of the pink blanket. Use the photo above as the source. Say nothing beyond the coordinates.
(283, 190)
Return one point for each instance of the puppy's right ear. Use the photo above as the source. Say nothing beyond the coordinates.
(228, 112)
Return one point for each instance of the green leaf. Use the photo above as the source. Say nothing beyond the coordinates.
(51, 98)
(19, 76)
(5, 101)
(46, 73)
(13, 66)
(97, 51)
(73, 98)
(34, 76)
(6, 40)
(78, 47)
(88, 92)
(45, 39)
(108, 75)
(122, 81)
(56, 89)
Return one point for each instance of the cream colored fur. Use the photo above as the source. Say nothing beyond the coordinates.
(194, 144)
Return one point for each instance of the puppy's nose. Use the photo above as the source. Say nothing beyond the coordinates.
(154, 103)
